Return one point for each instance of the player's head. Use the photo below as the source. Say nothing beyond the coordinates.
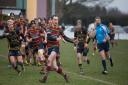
(110, 25)
(33, 24)
(12, 15)
(55, 20)
(79, 21)
(78, 25)
(21, 15)
(10, 24)
(50, 21)
(97, 20)
(43, 21)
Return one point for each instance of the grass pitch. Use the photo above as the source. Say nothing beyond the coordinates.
(118, 75)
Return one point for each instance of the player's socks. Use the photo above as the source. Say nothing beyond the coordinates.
(80, 66)
(60, 71)
(111, 62)
(22, 66)
(44, 79)
(81, 69)
(16, 68)
(104, 65)
(88, 61)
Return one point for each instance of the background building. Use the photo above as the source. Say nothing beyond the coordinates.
(30, 8)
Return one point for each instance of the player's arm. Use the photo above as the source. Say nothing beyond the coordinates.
(106, 33)
(26, 30)
(28, 37)
(113, 32)
(45, 36)
(75, 38)
(86, 41)
(94, 41)
(62, 35)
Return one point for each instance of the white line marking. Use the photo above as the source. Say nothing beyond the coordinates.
(91, 78)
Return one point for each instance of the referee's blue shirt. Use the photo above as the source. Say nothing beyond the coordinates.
(101, 33)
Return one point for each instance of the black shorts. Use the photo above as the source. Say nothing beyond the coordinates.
(34, 51)
(30, 45)
(103, 46)
(81, 49)
(112, 37)
(55, 49)
(14, 53)
(41, 46)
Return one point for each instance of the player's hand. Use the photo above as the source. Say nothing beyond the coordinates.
(64, 41)
(104, 40)
(45, 41)
(85, 45)
(58, 39)
(75, 41)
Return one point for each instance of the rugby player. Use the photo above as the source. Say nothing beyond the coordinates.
(81, 41)
(102, 39)
(112, 34)
(37, 38)
(53, 44)
(21, 27)
(14, 42)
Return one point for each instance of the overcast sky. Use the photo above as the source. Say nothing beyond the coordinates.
(122, 5)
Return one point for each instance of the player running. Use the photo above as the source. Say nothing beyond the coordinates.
(81, 41)
(21, 27)
(14, 42)
(53, 39)
(102, 39)
(112, 34)
(37, 38)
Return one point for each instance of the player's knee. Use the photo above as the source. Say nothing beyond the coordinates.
(53, 53)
